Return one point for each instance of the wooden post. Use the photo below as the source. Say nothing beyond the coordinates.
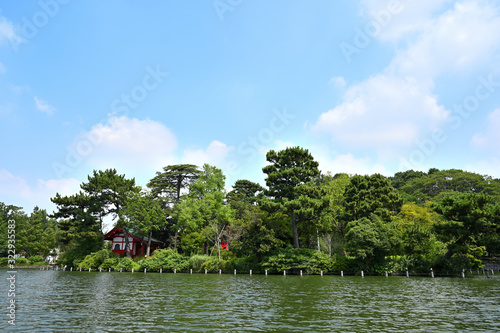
(120, 270)
(432, 273)
(205, 271)
(132, 271)
(407, 273)
(109, 270)
(321, 273)
(89, 270)
(80, 269)
(161, 270)
(220, 271)
(362, 274)
(266, 272)
(250, 272)
(284, 272)
(386, 274)
(492, 272)
(234, 272)
(100, 270)
(191, 271)
(300, 272)
(71, 269)
(342, 273)
(144, 271)
(463, 273)
(175, 270)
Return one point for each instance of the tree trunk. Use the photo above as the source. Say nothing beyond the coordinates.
(295, 231)
(148, 250)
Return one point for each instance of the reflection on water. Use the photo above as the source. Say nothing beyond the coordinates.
(55, 301)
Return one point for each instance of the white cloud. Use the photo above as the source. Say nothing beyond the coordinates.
(335, 162)
(462, 38)
(383, 112)
(338, 82)
(43, 106)
(15, 190)
(486, 167)
(400, 19)
(135, 147)
(491, 137)
(215, 154)
(8, 32)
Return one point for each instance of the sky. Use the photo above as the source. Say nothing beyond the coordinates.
(367, 86)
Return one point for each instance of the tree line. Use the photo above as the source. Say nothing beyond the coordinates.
(448, 219)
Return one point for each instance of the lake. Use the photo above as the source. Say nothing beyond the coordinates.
(63, 301)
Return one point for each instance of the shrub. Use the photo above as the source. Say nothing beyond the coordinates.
(95, 259)
(22, 261)
(308, 260)
(36, 260)
(213, 264)
(167, 260)
(4, 261)
(196, 262)
(127, 264)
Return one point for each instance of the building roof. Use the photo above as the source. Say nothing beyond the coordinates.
(137, 237)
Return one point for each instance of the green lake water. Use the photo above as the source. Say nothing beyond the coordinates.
(58, 301)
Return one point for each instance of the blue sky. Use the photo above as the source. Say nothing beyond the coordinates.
(366, 86)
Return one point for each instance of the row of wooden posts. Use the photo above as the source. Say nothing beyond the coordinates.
(284, 271)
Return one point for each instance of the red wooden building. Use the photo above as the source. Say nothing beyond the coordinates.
(137, 244)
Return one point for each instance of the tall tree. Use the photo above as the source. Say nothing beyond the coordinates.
(366, 195)
(108, 192)
(469, 219)
(248, 191)
(79, 229)
(169, 183)
(39, 235)
(11, 215)
(204, 210)
(144, 214)
(438, 183)
(288, 177)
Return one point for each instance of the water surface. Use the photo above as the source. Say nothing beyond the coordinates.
(57, 301)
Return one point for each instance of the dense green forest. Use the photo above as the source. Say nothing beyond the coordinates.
(302, 219)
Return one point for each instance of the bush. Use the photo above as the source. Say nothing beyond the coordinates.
(196, 262)
(4, 261)
(167, 260)
(36, 260)
(95, 259)
(308, 260)
(127, 264)
(245, 264)
(110, 263)
(213, 264)
(22, 262)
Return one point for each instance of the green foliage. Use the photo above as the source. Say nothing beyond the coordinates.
(22, 262)
(192, 243)
(196, 262)
(167, 260)
(307, 260)
(370, 238)
(289, 177)
(127, 264)
(96, 259)
(366, 195)
(37, 259)
(213, 264)
(469, 218)
(430, 186)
